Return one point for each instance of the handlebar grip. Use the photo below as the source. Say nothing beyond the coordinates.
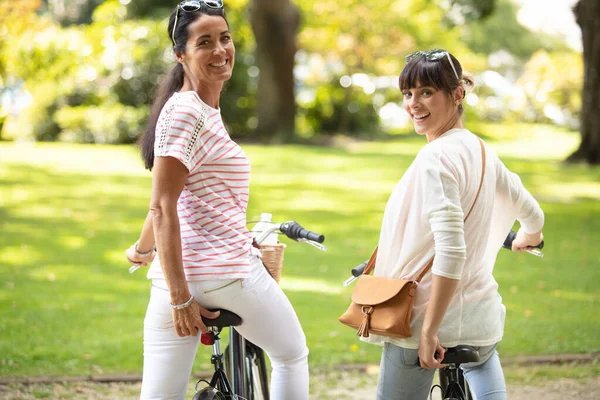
(358, 270)
(511, 237)
(315, 237)
(295, 231)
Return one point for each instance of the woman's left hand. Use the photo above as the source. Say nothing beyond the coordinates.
(431, 352)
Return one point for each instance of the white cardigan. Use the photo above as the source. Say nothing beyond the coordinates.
(424, 215)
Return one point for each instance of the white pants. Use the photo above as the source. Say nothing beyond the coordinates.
(268, 320)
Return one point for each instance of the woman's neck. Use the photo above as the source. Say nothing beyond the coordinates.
(209, 93)
(458, 124)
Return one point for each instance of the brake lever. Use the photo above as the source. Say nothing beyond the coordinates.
(134, 268)
(535, 252)
(348, 281)
(313, 243)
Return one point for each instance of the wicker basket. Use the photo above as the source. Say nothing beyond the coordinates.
(272, 257)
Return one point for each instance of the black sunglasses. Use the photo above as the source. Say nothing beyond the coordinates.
(191, 6)
(432, 55)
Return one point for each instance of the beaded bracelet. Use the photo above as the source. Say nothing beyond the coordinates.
(184, 305)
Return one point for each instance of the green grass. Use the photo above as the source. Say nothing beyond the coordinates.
(542, 374)
(67, 213)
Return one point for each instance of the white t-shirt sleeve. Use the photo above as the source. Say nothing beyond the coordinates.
(179, 136)
(443, 210)
(511, 189)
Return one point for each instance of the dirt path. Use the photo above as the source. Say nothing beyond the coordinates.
(354, 384)
(351, 386)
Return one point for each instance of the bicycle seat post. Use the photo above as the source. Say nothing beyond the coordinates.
(217, 353)
(450, 380)
(219, 379)
(452, 370)
(225, 319)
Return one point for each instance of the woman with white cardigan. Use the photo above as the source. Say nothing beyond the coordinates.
(458, 301)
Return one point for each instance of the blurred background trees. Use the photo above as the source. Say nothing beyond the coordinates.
(587, 13)
(85, 70)
(275, 24)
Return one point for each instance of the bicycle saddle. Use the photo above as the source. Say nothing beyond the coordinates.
(226, 318)
(460, 355)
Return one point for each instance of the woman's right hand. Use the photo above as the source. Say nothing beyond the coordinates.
(526, 241)
(134, 258)
(188, 321)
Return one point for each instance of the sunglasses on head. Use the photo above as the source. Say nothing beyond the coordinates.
(191, 6)
(432, 55)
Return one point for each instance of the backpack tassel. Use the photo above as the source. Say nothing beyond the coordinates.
(363, 329)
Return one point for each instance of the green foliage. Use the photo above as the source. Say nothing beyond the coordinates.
(2, 121)
(69, 12)
(335, 109)
(362, 38)
(53, 56)
(115, 123)
(111, 66)
(89, 65)
(238, 102)
(37, 120)
(470, 10)
(373, 37)
(552, 79)
(502, 31)
(118, 58)
(69, 211)
(156, 9)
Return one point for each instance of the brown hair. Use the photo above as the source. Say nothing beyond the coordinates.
(174, 80)
(437, 74)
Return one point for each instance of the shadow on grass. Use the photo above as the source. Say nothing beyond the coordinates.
(67, 298)
(69, 307)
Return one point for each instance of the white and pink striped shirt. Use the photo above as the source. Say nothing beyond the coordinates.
(212, 206)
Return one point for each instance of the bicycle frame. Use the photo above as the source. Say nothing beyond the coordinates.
(451, 377)
(237, 363)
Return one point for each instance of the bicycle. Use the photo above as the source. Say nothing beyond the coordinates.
(243, 375)
(452, 380)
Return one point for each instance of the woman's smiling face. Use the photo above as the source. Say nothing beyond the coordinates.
(432, 110)
(209, 52)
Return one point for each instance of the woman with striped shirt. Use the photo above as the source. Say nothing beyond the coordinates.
(200, 180)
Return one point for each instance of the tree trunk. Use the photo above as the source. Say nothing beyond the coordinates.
(275, 23)
(587, 14)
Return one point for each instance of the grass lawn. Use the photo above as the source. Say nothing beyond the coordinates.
(67, 213)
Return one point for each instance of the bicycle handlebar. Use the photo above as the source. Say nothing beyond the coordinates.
(295, 231)
(358, 270)
(510, 239)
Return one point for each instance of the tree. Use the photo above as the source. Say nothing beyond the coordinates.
(69, 12)
(275, 24)
(587, 14)
(507, 33)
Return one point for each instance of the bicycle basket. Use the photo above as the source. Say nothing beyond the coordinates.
(272, 257)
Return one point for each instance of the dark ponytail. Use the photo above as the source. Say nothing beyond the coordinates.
(170, 84)
(174, 81)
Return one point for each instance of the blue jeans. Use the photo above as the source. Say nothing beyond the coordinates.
(402, 378)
